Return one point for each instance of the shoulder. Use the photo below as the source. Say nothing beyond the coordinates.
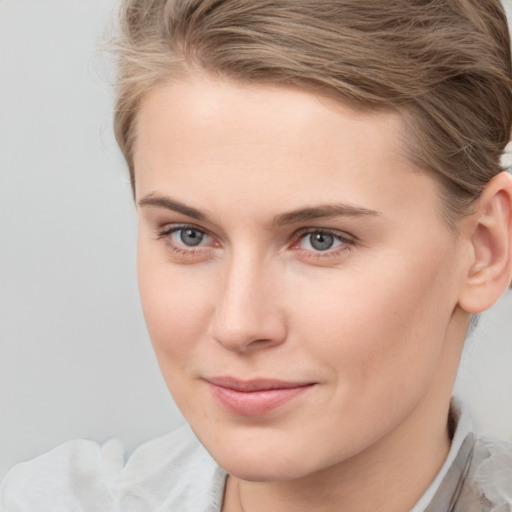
(490, 474)
(476, 475)
(173, 472)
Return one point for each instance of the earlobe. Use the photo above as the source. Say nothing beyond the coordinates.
(490, 270)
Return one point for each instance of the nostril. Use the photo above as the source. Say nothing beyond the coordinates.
(260, 343)
(266, 335)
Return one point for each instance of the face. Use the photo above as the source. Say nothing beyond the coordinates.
(296, 276)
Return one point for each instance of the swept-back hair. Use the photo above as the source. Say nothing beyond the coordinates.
(445, 65)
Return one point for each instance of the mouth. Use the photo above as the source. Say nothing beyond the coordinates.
(254, 397)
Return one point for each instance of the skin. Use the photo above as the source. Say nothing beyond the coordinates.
(374, 322)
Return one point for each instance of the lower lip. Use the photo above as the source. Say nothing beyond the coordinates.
(254, 403)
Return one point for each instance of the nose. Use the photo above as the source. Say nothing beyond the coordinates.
(248, 315)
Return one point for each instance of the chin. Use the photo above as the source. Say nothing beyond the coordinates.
(264, 469)
(256, 459)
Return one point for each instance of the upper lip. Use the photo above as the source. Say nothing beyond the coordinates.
(255, 384)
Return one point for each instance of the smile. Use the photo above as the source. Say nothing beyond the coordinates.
(255, 397)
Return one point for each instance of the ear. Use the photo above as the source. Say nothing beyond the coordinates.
(490, 237)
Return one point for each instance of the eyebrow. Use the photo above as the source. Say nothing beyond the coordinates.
(323, 212)
(175, 206)
(299, 215)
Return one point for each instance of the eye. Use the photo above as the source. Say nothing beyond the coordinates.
(319, 241)
(323, 240)
(186, 239)
(188, 236)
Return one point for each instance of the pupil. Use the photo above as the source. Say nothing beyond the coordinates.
(321, 241)
(191, 237)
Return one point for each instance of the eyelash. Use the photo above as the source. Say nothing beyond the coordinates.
(165, 233)
(346, 240)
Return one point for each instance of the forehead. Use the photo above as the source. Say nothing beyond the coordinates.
(229, 138)
(225, 111)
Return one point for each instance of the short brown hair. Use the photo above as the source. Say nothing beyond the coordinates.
(444, 64)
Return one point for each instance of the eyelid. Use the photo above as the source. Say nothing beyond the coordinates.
(347, 243)
(339, 235)
(166, 231)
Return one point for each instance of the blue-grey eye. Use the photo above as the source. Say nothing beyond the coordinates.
(189, 236)
(319, 241)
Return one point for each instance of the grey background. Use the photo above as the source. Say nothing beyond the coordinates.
(75, 359)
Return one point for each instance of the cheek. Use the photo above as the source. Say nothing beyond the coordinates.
(176, 307)
(379, 329)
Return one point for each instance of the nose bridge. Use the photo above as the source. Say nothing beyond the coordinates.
(247, 309)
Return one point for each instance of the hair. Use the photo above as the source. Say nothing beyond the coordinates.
(444, 65)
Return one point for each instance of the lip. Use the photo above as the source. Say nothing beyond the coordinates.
(254, 397)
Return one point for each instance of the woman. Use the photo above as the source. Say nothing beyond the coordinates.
(321, 212)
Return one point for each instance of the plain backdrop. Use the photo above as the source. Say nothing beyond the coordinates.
(75, 359)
